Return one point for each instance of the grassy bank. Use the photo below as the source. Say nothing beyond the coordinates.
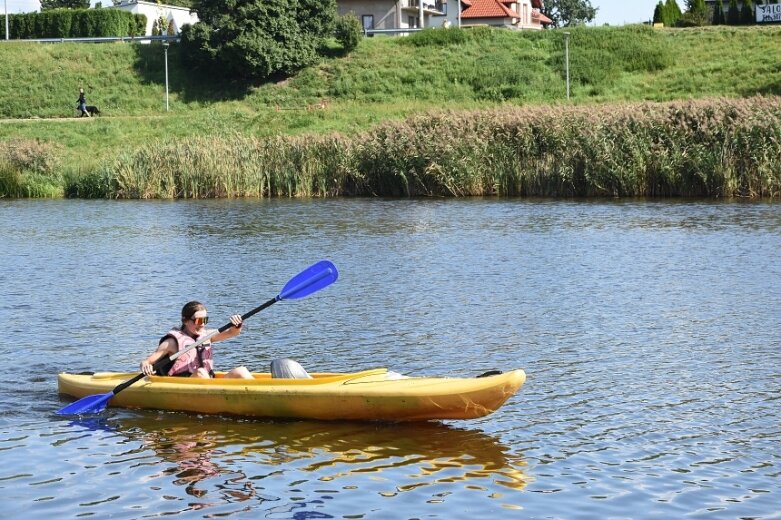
(387, 80)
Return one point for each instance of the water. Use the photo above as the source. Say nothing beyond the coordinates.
(648, 331)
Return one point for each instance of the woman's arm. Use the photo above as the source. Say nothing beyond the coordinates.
(168, 347)
(231, 332)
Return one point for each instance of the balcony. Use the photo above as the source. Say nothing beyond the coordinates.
(433, 7)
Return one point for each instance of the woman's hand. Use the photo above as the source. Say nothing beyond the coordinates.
(237, 321)
(146, 368)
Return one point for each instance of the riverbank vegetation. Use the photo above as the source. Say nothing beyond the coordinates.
(447, 112)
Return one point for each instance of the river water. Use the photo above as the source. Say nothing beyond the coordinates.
(649, 332)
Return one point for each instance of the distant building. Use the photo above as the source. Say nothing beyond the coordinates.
(512, 14)
(410, 14)
(170, 13)
(397, 14)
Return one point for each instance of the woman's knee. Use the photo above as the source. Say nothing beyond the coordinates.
(240, 373)
(202, 373)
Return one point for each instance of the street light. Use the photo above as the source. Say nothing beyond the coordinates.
(165, 48)
(566, 58)
(6, 18)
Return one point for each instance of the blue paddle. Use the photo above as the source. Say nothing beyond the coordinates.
(308, 281)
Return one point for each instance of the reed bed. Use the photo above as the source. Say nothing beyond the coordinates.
(29, 168)
(705, 148)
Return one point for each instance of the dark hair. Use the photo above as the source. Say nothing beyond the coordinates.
(190, 308)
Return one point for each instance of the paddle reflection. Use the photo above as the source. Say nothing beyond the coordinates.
(235, 460)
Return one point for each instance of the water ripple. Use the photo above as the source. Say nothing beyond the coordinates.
(648, 331)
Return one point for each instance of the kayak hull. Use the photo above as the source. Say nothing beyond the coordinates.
(367, 395)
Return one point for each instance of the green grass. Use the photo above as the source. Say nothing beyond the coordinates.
(384, 79)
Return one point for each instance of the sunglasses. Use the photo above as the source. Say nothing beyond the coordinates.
(200, 321)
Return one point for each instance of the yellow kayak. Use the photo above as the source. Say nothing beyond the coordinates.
(368, 395)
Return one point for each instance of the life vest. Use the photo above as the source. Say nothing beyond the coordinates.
(191, 361)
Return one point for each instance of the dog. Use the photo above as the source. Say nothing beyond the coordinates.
(92, 110)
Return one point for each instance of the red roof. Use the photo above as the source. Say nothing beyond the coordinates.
(488, 9)
(541, 18)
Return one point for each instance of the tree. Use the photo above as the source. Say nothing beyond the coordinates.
(747, 15)
(567, 13)
(733, 13)
(696, 7)
(348, 32)
(257, 38)
(718, 14)
(696, 13)
(672, 13)
(659, 12)
(64, 4)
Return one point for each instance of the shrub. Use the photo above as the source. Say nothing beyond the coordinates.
(348, 32)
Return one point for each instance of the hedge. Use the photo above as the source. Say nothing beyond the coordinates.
(74, 23)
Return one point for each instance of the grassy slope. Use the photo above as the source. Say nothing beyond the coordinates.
(385, 78)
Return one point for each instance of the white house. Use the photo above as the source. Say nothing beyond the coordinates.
(154, 11)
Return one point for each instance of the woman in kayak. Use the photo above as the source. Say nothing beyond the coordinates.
(196, 362)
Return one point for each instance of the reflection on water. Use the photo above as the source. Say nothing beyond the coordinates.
(298, 467)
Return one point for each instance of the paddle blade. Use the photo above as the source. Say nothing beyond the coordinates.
(90, 404)
(312, 279)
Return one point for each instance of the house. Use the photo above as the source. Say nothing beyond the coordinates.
(398, 14)
(392, 15)
(173, 16)
(512, 14)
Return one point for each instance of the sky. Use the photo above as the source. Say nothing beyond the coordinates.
(613, 12)
(620, 12)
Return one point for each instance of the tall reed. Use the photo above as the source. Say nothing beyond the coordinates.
(708, 148)
(29, 168)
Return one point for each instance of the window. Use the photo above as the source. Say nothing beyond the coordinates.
(412, 22)
(368, 21)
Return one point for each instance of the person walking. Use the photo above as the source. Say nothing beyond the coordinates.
(82, 103)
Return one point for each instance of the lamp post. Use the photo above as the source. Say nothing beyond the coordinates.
(5, 3)
(566, 58)
(165, 48)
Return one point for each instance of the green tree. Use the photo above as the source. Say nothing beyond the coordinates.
(747, 15)
(718, 14)
(659, 12)
(733, 13)
(696, 13)
(567, 13)
(257, 38)
(672, 13)
(348, 31)
(64, 4)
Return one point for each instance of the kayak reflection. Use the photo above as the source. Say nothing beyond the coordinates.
(248, 452)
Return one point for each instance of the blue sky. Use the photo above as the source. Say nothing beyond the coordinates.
(613, 12)
(619, 12)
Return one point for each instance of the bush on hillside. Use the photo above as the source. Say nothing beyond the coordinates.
(263, 38)
(348, 32)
